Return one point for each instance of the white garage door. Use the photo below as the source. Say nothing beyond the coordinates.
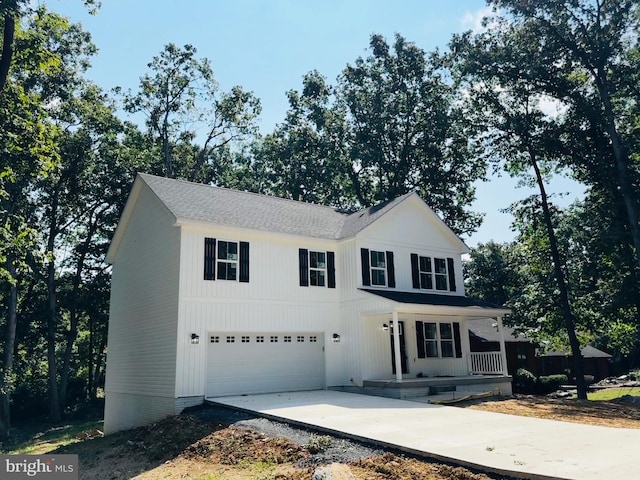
(242, 362)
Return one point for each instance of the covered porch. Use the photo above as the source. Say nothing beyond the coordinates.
(429, 339)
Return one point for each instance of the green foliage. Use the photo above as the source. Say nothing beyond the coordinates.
(550, 383)
(524, 382)
(390, 125)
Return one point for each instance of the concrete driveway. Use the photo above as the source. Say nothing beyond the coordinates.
(516, 446)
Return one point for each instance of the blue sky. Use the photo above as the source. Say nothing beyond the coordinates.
(268, 45)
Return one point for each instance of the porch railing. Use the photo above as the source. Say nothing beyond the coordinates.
(486, 363)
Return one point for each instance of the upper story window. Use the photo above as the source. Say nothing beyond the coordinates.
(377, 268)
(317, 269)
(226, 260)
(432, 273)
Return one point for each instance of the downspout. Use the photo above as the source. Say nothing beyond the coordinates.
(396, 345)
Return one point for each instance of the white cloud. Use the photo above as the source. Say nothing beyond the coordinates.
(473, 20)
(551, 106)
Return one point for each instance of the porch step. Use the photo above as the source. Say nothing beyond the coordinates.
(437, 389)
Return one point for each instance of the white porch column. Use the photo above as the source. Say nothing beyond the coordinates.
(503, 348)
(396, 345)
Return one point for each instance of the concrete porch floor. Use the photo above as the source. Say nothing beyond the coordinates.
(519, 447)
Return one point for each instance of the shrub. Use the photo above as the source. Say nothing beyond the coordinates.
(550, 383)
(525, 382)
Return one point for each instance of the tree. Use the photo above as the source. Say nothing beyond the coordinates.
(180, 99)
(390, 125)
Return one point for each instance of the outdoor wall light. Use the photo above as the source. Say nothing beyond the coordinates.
(195, 338)
(336, 338)
(385, 327)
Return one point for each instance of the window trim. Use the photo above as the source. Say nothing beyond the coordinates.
(373, 268)
(227, 261)
(448, 275)
(423, 340)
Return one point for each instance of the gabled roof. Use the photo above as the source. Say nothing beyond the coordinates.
(197, 202)
(485, 330)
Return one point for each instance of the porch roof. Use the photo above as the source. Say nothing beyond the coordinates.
(464, 305)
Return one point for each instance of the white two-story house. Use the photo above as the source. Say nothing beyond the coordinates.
(220, 292)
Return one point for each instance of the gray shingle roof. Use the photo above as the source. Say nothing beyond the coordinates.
(486, 330)
(197, 202)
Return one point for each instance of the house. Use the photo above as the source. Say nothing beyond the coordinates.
(595, 363)
(220, 292)
(520, 350)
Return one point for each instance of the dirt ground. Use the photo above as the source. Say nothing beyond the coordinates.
(606, 414)
(213, 443)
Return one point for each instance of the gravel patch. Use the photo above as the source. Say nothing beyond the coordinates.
(324, 449)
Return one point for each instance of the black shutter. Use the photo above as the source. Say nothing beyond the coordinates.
(420, 337)
(303, 255)
(415, 270)
(209, 258)
(391, 271)
(244, 262)
(457, 340)
(331, 269)
(366, 272)
(452, 275)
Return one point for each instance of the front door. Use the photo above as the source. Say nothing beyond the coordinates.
(403, 350)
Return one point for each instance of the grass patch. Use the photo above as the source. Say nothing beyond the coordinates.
(40, 442)
(615, 392)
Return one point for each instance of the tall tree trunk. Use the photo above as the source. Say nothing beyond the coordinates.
(9, 346)
(52, 321)
(7, 48)
(52, 371)
(72, 334)
(567, 312)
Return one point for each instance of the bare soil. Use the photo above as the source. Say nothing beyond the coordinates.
(604, 413)
(215, 443)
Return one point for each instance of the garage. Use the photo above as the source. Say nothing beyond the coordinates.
(243, 362)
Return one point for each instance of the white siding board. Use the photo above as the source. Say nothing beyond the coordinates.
(141, 350)
(271, 301)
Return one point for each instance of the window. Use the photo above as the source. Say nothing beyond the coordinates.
(215, 339)
(245, 339)
(317, 268)
(231, 339)
(287, 339)
(274, 339)
(260, 339)
(438, 339)
(300, 338)
(313, 339)
(446, 340)
(378, 268)
(431, 339)
(430, 273)
(426, 277)
(440, 270)
(227, 260)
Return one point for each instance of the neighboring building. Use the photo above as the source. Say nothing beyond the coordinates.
(221, 292)
(484, 336)
(595, 363)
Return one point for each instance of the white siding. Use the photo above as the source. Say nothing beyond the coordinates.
(273, 300)
(141, 358)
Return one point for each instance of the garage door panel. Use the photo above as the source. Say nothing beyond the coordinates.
(241, 362)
